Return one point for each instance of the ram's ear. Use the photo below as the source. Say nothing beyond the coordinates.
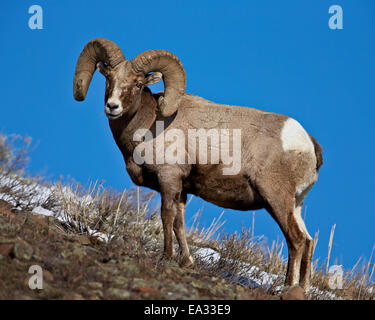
(103, 69)
(152, 78)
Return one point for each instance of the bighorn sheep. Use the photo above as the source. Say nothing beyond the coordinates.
(279, 160)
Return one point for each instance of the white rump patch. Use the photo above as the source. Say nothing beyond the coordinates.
(294, 137)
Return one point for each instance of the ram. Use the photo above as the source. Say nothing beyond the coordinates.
(279, 160)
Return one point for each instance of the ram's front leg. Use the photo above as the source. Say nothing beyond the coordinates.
(179, 231)
(170, 189)
(168, 214)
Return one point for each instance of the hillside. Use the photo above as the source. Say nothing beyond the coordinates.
(83, 267)
(96, 243)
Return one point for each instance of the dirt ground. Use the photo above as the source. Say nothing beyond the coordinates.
(82, 267)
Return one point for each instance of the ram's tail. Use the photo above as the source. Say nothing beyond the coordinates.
(318, 153)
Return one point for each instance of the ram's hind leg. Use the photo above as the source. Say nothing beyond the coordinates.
(295, 237)
(305, 272)
(179, 230)
(281, 206)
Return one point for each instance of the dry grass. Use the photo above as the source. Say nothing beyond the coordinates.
(356, 283)
(247, 256)
(205, 236)
(21, 190)
(14, 152)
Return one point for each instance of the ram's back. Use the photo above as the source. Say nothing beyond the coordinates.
(199, 113)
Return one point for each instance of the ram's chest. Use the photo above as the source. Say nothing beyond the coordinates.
(141, 176)
(135, 172)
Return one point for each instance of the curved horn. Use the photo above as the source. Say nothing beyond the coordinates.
(174, 76)
(96, 50)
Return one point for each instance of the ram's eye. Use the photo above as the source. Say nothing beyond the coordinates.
(139, 84)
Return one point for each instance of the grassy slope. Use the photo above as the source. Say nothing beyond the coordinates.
(78, 265)
(81, 267)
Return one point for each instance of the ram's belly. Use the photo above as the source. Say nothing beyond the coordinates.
(234, 192)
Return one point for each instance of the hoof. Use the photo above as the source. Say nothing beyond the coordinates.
(294, 293)
(165, 258)
(187, 262)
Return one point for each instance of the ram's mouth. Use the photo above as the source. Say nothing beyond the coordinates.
(113, 116)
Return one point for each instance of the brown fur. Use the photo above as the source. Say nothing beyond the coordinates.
(269, 177)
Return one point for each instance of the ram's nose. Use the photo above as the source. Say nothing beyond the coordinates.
(112, 106)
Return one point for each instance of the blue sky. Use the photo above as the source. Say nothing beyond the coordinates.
(279, 56)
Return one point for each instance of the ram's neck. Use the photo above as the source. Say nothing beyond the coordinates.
(123, 129)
